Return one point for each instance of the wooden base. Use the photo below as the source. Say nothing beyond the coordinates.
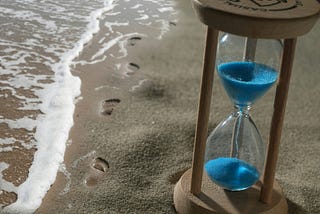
(214, 199)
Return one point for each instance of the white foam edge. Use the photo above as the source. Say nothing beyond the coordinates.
(142, 17)
(7, 149)
(165, 27)
(5, 185)
(165, 9)
(112, 13)
(110, 24)
(67, 174)
(137, 6)
(7, 141)
(116, 41)
(7, 144)
(85, 62)
(53, 129)
(106, 86)
(25, 123)
(77, 161)
(135, 87)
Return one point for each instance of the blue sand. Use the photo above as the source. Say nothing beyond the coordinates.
(245, 82)
(231, 173)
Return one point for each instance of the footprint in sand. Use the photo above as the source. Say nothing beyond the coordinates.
(172, 23)
(97, 172)
(133, 40)
(100, 164)
(109, 105)
(133, 67)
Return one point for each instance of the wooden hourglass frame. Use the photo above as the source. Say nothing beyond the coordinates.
(195, 192)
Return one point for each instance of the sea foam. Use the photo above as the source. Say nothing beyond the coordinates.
(53, 128)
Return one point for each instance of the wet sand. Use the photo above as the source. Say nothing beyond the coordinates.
(133, 138)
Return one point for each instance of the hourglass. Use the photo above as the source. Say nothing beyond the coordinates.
(235, 152)
(233, 170)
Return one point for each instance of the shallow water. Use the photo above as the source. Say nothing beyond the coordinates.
(40, 44)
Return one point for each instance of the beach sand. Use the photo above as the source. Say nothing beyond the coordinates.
(133, 138)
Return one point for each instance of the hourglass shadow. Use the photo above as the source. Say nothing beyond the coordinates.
(294, 208)
(211, 203)
(247, 201)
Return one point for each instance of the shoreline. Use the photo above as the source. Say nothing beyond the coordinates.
(56, 105)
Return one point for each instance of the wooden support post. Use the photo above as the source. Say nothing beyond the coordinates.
(204, 110)
(277, 119)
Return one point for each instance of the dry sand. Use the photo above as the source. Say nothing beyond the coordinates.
(144, 138)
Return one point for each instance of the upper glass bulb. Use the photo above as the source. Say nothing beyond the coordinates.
(247, 67)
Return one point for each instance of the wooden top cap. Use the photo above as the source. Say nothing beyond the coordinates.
(259, 18)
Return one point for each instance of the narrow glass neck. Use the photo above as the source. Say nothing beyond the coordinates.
(242, 109)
